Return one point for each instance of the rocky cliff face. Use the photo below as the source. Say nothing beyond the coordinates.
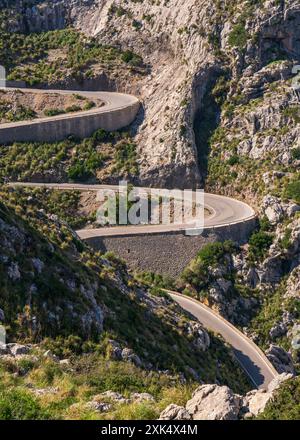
(35, 15)
(189, 45)
(199, 54)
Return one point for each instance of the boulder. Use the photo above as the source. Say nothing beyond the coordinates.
(292, 209)
(13, 272)
(65, 362)
(48, 354)
(255, 401)
(111, 396)
(141, 397)
(278, 330)
(272, 209)
(18, 349)
(38, 265)
(200, 336)
(175, 412)
(129, 356)
(281, 359)
(213, 402)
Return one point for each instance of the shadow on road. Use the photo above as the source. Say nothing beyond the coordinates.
(251, 368)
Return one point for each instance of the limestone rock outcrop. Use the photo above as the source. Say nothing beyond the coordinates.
(175, 412)
(281, 359)
(255, 401)
(214, 402)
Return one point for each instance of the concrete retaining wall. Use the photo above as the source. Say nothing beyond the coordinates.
(168, 253)
(81, 126)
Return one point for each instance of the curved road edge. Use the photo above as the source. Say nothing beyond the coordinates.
(119, 111)
(226, 212)
(251, 358)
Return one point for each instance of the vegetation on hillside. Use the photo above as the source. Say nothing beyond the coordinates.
(72, 270)
(71, 159)
(52, 56)
(286, 402)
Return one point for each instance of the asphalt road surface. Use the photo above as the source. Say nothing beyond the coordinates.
(251, 358)
(112, 101)
(222, 211)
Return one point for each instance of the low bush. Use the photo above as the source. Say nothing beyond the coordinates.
(17, 404)
(259, 244)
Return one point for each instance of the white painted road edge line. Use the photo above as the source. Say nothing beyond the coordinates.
(241, 334)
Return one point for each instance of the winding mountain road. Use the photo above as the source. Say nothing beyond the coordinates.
(222, 211)
(118, 111)
(254, 362)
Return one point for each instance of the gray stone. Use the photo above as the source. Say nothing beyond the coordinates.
(281, 359)
(64, 362)
(48, 354)
(38, 265)
(142, 397)
(213, 402)
(3, 350)
(13, 272)
(111, 395)
(273, 209)
(278, 330)
(255, 401)
(129, 356)
(200, 336)
(175, 412)
(18, 349)
(98, 406)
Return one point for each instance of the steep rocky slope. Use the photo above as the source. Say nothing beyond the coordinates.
(52, 285)
(199, 54)
(85, 340)
(189, 45)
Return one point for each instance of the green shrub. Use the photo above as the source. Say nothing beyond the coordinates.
(125, 157)
(89, 105)
(130, 57)
(73, 108)
(295, 153)
(293, 191)
(286, 402)
(259, 244)
(78, 171)
(20, 405)
(238, 36)
(233, 160)
(210, 255)
(54, 112)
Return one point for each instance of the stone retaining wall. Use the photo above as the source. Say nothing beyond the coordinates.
(168, 253)
(81, 126)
